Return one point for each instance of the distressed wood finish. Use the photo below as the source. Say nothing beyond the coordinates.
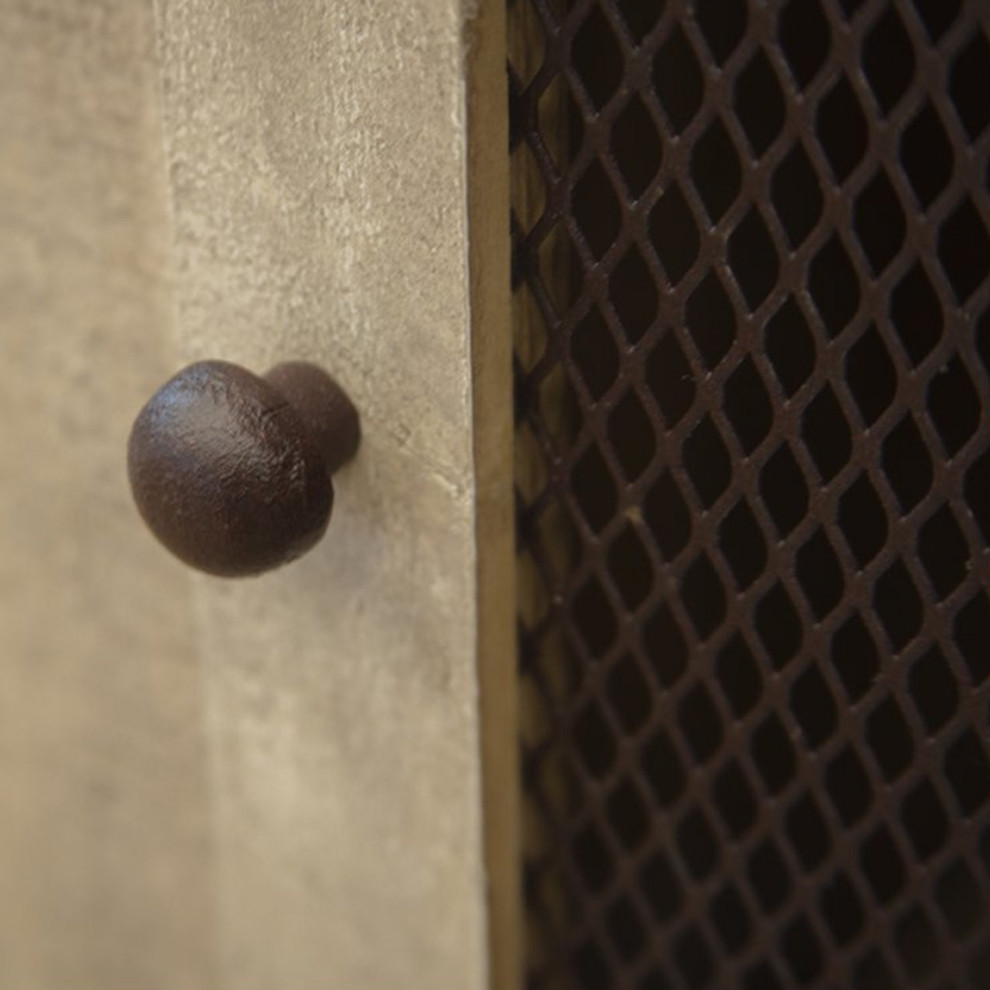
(276, 782)
(106, 879)
(320, 176)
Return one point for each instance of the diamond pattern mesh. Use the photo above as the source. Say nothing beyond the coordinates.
(751, 249)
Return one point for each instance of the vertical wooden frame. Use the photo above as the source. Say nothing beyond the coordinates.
(339, 191)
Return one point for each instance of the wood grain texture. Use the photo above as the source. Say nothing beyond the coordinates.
(318, 159)
(105, 862)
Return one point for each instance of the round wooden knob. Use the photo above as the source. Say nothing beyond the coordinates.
(232, 472)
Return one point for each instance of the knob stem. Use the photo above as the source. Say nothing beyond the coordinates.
(329, 417)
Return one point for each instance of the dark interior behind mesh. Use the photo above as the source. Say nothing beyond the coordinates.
(753, 486)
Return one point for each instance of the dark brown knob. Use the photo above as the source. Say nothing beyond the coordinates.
(232, 472)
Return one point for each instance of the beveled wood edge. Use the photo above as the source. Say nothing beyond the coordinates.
(491, 369)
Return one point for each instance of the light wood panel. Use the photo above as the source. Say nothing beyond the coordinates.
(306, 780)
(319, 164)
(105, 863)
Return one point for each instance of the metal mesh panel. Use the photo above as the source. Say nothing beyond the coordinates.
(753, 474)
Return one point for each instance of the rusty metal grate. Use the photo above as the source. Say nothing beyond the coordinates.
(753, 473)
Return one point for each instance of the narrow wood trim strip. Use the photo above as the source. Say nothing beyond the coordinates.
(491, 365)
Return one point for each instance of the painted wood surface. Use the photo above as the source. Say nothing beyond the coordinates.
(274, 782)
